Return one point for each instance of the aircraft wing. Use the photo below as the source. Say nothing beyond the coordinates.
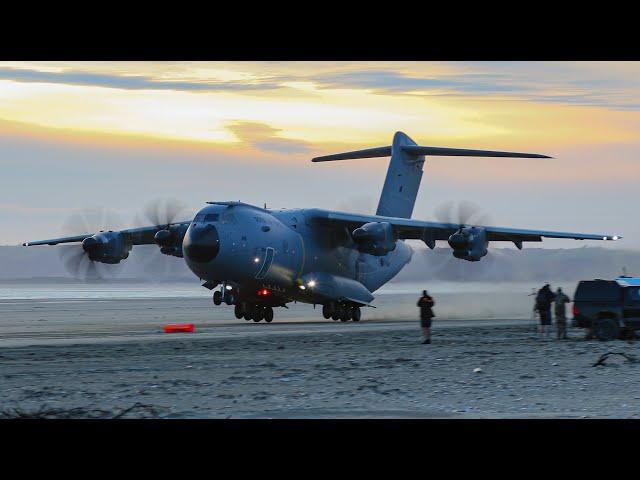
(407, 228)
(136, 236)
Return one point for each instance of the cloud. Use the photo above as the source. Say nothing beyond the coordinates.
(562, 84)
(263, 137)
(129, 82)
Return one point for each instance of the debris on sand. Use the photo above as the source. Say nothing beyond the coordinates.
(604, 356)
(44, 413)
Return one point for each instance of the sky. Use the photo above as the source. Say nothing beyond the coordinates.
(78, 135)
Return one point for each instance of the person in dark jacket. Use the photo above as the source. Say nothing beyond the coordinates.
(561, 314)
(426, 303)
(543, 305)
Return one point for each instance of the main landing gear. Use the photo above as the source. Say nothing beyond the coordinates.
(253, 312)
(341, 311)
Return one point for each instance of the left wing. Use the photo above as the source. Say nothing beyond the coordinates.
(406, 228)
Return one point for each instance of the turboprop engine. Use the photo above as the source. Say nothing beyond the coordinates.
(170, 240)
(375, 238)
(106, 247)
(469, 243)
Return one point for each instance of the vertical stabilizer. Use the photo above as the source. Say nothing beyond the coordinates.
(403, 180)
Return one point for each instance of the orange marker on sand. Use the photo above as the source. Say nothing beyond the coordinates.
(179, 327)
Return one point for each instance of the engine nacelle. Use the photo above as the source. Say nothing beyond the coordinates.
(469, 243)
(375, 238)
(170, 240)
(107, 247)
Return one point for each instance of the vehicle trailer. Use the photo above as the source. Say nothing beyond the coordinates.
(608, 309)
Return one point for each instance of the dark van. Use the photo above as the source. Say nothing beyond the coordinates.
(608, 309)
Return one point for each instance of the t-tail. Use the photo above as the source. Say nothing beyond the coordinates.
(405, 170)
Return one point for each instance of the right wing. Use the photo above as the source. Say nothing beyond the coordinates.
(134, 236)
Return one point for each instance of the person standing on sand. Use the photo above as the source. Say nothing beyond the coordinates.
(543, 306)
(534, 310)
(426, 303)
(561, 314)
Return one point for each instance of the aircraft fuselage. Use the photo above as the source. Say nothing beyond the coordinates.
(252, 249)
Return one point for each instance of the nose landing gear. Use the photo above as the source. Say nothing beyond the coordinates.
(225, 296)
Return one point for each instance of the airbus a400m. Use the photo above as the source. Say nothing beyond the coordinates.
(257, 259)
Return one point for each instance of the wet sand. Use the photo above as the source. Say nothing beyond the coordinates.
(112, 354)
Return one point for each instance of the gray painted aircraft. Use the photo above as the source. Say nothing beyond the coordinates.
(257, 259)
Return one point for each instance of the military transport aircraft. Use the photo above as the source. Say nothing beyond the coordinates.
(257, 259)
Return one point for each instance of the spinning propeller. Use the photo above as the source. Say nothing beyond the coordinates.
(467, 213)
(77, 258)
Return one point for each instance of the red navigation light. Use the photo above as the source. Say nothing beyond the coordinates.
(179, 327)
(263, 292)
(576, 312)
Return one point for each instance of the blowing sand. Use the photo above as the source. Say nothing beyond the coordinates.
(112, 354)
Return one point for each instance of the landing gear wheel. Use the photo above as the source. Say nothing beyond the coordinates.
(217, 297)
(355, 314)
(268, 314)
(327, 311)
(229, 299)
(238, 311)
(345, 314)
(607, 329)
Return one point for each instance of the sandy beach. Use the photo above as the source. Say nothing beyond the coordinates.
(111, 354)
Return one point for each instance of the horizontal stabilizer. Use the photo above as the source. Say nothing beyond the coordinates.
(368, 153)
(463, 152)
(417, 150)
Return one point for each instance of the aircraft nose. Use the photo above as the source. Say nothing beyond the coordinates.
(201, 243)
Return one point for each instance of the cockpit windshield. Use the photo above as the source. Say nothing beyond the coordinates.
(206, 217)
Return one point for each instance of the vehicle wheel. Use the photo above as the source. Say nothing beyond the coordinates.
(327, 311)
(229, 299)
(607, 329)
(238, 311)
(268, 314)
(336, 313)
(217, 297)
(355, 314)
(345, 314)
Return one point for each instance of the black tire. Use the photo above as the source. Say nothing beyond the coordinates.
(238, 311)
(327, 311)
(229, 299)
(268, 314)
(217, 297)
(356, 314)
(345, 314)
(606, 329)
